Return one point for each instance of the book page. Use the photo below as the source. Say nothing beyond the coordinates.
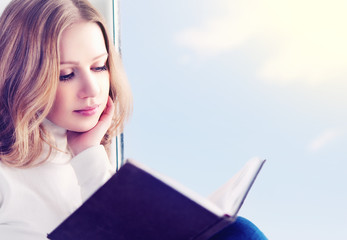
(182, 189)
(231, 195)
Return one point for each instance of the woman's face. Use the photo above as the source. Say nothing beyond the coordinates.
(83, 87)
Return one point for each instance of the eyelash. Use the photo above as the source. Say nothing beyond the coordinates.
(100, 69)
(69, 76)
(66, 77)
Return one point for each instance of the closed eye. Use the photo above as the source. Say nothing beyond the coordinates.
(66, 77)
(100, 69)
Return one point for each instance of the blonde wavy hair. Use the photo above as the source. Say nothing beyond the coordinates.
(29, 74)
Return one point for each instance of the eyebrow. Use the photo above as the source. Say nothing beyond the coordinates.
(76, 63)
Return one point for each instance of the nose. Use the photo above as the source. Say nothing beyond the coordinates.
(89, 87)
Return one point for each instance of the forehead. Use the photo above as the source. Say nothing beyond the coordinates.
(81, 41)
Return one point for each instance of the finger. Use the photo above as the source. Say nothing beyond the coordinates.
(108, 111)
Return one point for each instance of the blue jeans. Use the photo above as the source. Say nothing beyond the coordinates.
(240, 229)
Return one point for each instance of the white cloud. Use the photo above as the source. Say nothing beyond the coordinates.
(323, 139)
(219, 34)
(309, 36)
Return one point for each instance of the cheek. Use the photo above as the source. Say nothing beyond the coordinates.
(62, 98)
(105, 86)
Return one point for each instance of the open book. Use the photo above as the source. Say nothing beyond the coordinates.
(138, 203)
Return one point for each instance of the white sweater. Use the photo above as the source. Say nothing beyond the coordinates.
(34, 201)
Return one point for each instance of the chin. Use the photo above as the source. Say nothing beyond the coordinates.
(82, 126)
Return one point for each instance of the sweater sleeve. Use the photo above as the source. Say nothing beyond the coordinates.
(92, 168)
(8, 231)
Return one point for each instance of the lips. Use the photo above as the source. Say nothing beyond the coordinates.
(88, 111)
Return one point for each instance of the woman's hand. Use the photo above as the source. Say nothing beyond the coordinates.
(79, 141)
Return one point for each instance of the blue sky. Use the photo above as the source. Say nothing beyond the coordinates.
(216, 83)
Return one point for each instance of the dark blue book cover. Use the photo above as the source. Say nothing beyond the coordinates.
(133, 205)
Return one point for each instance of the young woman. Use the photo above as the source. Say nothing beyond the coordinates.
(63, 96)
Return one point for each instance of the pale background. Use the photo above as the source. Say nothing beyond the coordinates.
(218, 82)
